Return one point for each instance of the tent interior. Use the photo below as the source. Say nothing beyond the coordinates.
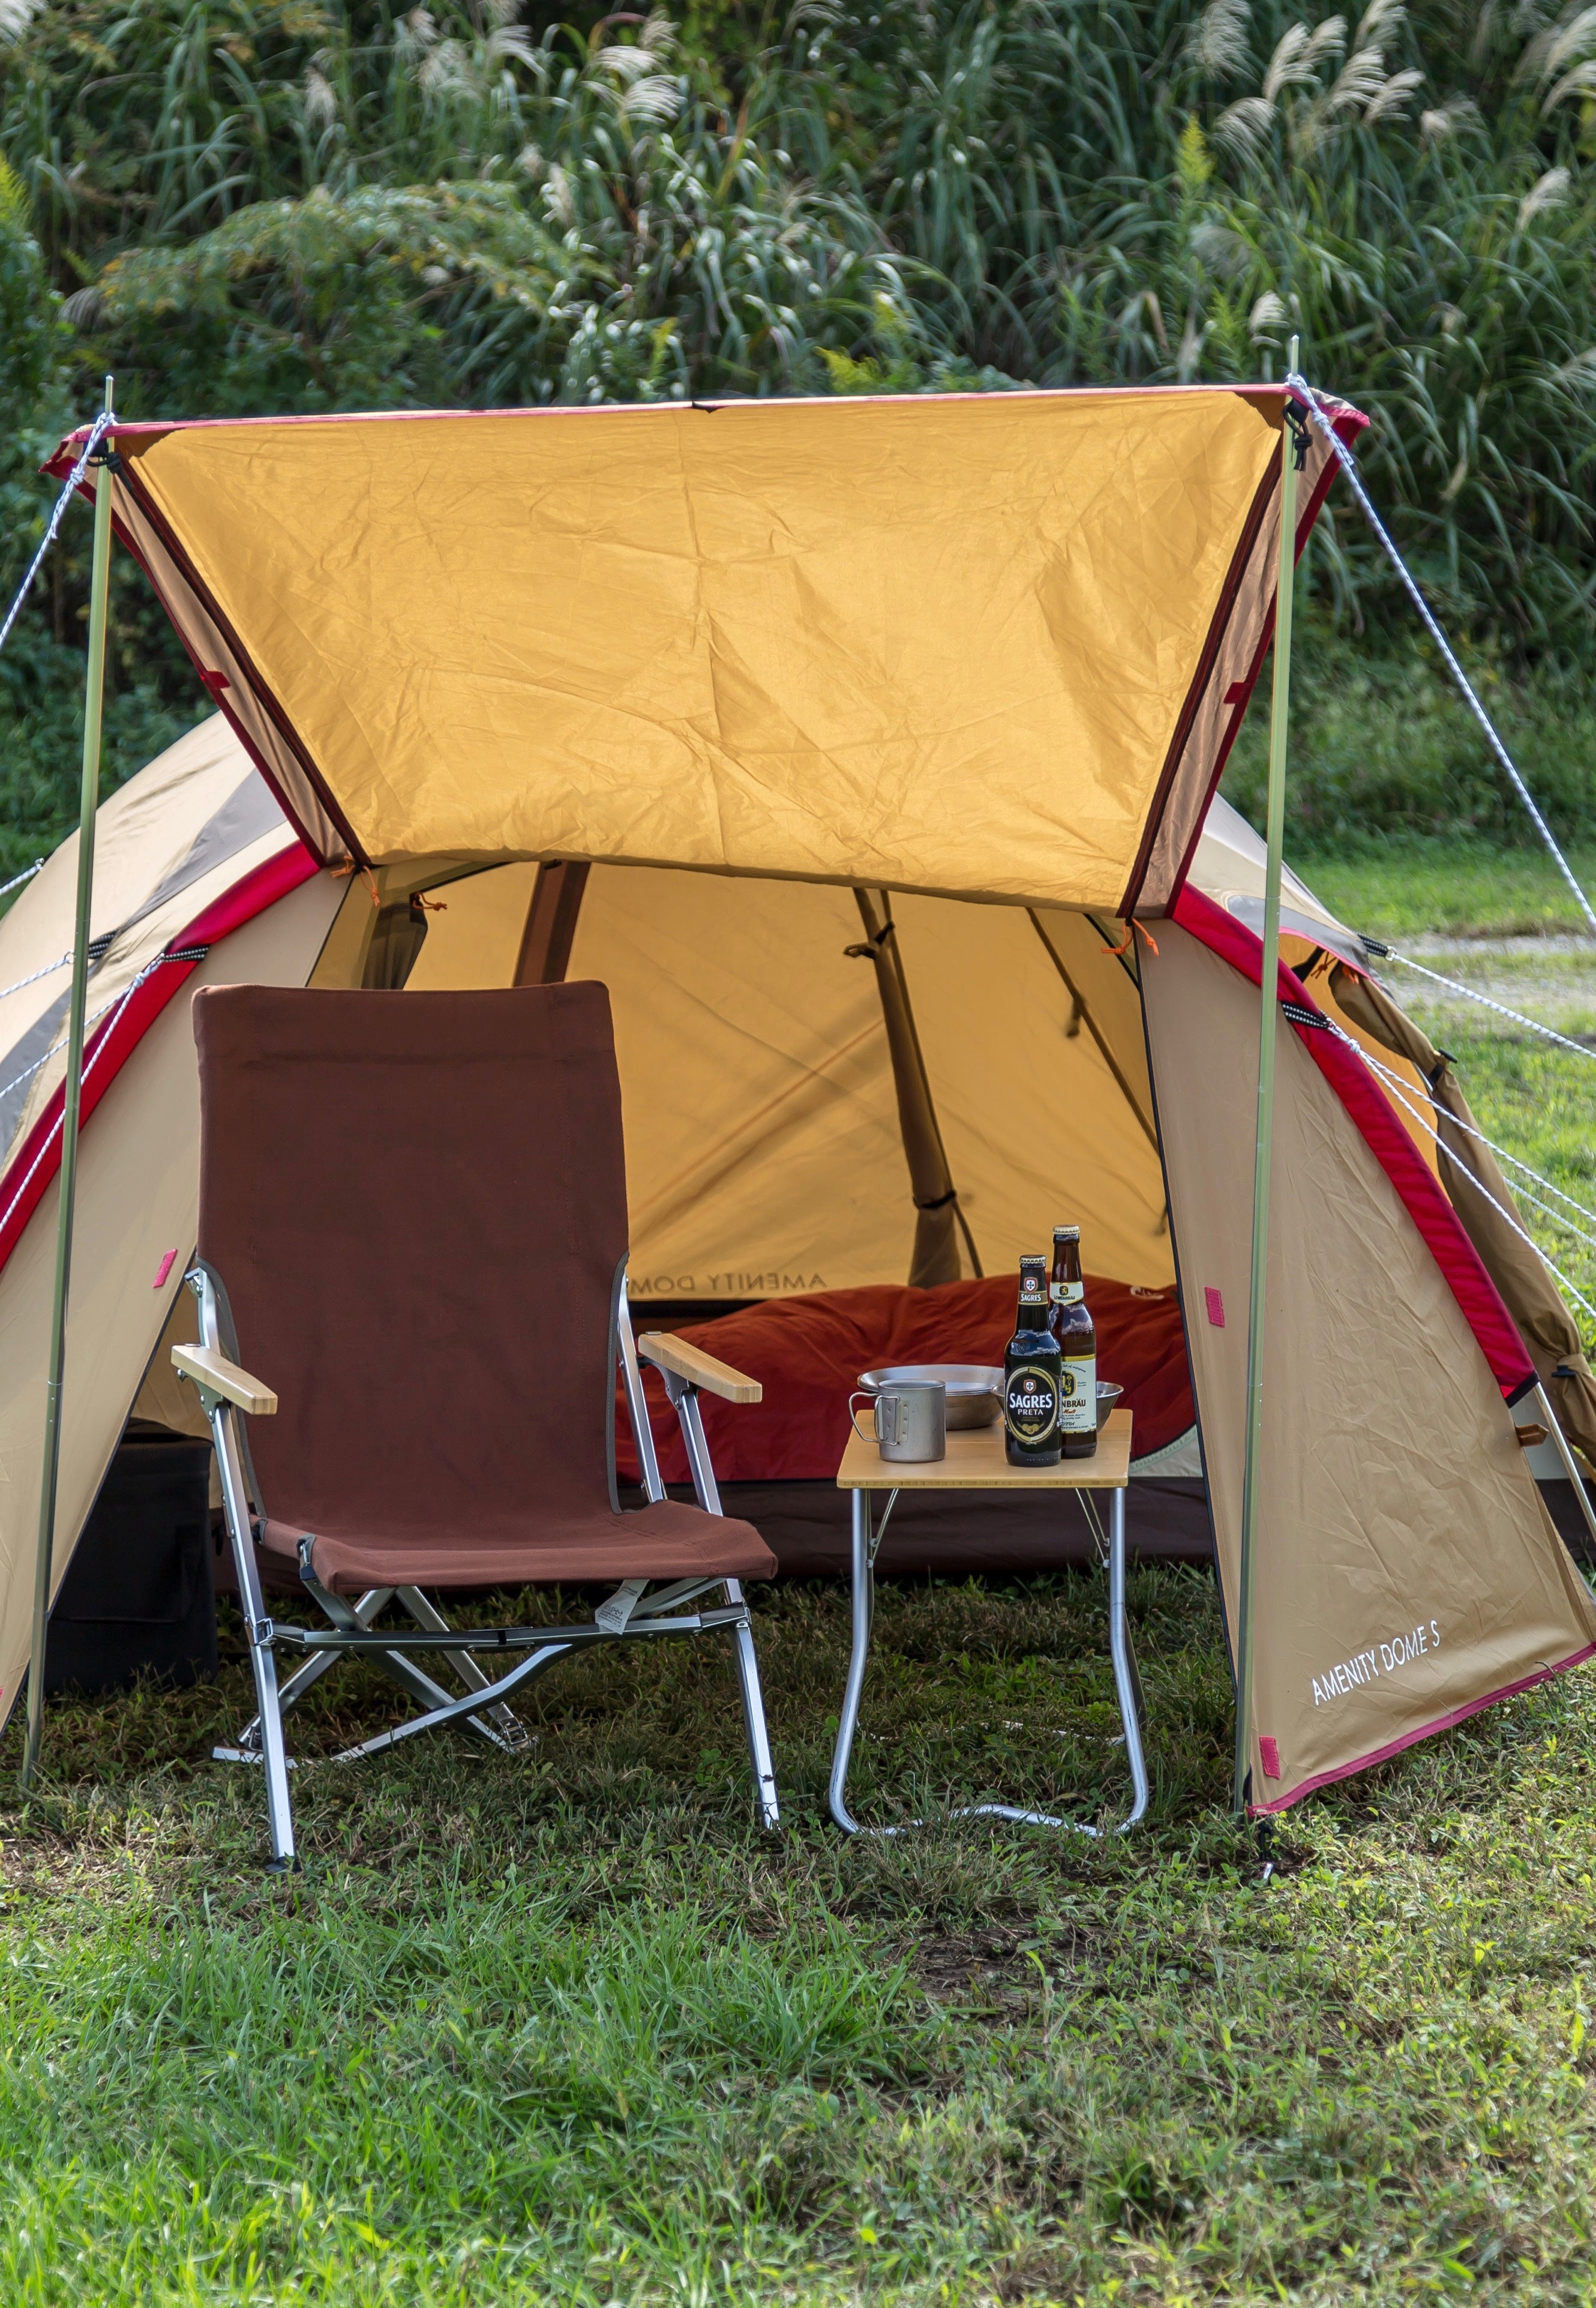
(847, 1114)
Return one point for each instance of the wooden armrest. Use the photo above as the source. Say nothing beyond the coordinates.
(206, 1367)
(699, 1369)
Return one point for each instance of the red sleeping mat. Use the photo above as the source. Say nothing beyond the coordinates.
(806, 1354)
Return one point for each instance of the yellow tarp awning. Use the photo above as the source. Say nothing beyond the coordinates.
(985, 645)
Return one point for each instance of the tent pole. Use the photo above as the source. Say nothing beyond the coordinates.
(1279, 715)
(88, 802)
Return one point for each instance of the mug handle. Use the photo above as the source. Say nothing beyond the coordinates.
(860, 1394)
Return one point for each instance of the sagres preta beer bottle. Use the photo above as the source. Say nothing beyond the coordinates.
(1072, 1326)
(1031, 1369)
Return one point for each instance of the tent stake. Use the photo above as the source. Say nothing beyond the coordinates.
(1279, 716)
(88, 803)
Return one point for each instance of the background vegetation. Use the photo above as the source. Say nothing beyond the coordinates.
(255, 205)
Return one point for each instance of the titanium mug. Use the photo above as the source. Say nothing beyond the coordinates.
(911, 1420)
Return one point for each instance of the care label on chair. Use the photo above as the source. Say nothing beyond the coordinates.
(612, 1616)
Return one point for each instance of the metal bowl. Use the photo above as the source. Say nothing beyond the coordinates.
(975, 1391)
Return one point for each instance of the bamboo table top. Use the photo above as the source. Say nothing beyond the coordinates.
(975, 1461)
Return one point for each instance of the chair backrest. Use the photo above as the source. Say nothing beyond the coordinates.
(416, 1203)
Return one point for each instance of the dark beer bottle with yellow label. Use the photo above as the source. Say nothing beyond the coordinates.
(1076, 1333)
(1031, 1374)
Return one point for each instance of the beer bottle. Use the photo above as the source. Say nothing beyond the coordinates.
(1076, 1336)
(1031, 1369)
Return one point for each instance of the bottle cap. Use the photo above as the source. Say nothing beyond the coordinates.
(1067, 1233)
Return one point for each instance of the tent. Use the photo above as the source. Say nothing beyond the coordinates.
(865, 750)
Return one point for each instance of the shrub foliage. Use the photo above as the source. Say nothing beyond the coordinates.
(247, 205)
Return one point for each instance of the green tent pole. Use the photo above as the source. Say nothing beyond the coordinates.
(1279, 716)
(100, 585)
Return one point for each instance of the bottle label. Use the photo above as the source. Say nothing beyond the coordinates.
(1078, 1395)
(1031, 1404)
(1067, 1294)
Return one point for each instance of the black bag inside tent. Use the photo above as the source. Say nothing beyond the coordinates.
(139, 1597)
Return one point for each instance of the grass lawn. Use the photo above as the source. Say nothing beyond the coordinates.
(568, 2031)
(1463, 890)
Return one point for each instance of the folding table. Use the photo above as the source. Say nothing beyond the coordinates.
(977, 1461)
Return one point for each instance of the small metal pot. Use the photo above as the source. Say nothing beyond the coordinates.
(975, 1391)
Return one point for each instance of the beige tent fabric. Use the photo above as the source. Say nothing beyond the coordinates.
(762, 1148)
(1098, 968)
(172, 839)
(137, 1199)
(475, 940)
(1037, 1130)
(1229, 866)
(1528, 1291)
(758, 1083)
(1406, 1568)
(847, 640)
(764, 1152)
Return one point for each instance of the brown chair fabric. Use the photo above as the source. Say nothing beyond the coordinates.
(669, 1541)
(417, 1205)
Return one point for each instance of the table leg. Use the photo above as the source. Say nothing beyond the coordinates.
(1120, 1649)
(862, 1581)
(862, 1612)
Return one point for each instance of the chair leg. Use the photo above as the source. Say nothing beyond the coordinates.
(753, 1716)
(279, 1809)
(248, 1747)
(685, 1397)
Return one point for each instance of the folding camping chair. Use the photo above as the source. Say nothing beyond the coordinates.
(413, 1217)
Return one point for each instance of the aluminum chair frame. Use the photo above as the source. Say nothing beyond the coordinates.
(227, 1394)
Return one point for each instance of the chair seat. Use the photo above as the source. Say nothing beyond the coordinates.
(667, 1541)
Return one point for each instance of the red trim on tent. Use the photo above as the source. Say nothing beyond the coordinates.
(117, 1036)
(1388, 1139)
(1425, 1731)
